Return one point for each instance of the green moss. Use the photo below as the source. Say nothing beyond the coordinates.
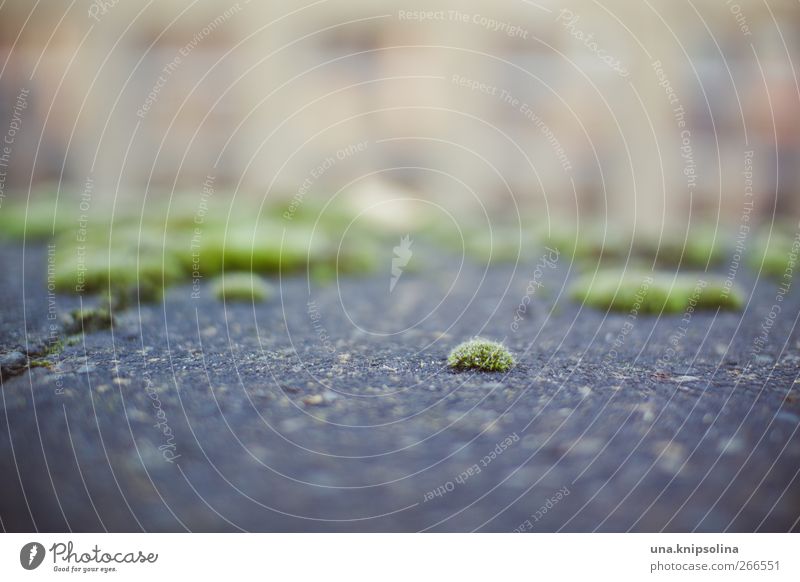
(186, 210)
(55, 347)
(483, 243)
(271, 249)
(124, 272)
(323, 274)
(698, 247)
(325, 213)
(40, 364)
(241, 287)
(36, 220)
(88, 320)
(481, 354)
(501, 245)
(646, 292)
(589, 242)
(773, 252)
(265, 249)
(40, 356)
(358, 254)
(137, 259)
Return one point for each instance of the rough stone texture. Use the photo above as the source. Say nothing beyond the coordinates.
(343, 416)
(12, 363)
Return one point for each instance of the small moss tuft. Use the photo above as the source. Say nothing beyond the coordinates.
(481, 354)
(241, 287)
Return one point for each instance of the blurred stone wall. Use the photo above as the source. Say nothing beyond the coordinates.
(636, 111)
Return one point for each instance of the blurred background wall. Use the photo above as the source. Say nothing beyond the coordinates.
(641, 112)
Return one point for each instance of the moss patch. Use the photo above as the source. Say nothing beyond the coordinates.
(38, 219)
(122, 272)
(481, 354)
(241, 287)
(774, 253)
(591, 241)
(40, 364)
(263, 249)
(698, 247)
(486, 243)
(88, 320)
(131, 253)
(646, 292)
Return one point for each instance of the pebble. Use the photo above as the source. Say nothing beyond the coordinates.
(587, 446)
(492, 385)
(672, 456)
(732, 446)
(314, 400)
(680, 379)
(648, 414)
(531, 441)
(329, 396)
(138, 415)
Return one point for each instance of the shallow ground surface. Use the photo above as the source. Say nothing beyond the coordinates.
(340, 416)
